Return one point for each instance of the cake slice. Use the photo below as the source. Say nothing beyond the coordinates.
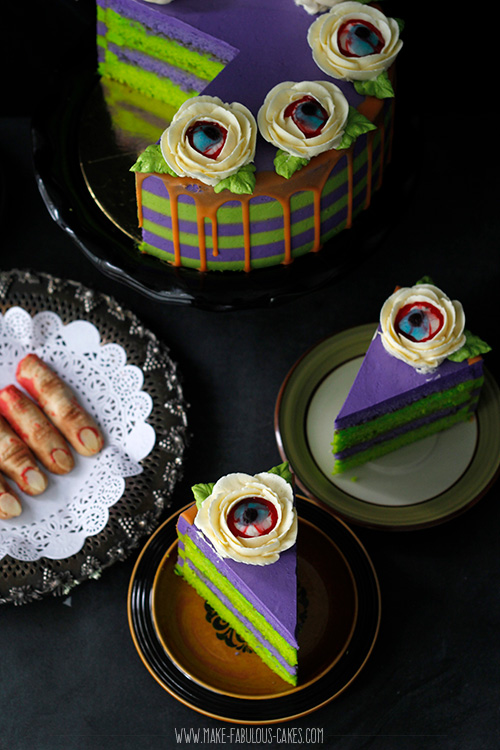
(237, 548)
(421, 374)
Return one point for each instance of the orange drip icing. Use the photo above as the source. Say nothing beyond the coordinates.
(190, 514)
(174, 208)
(200, 221)
(245, 210)
(215, 238)
(313, 178)
(139, 179)
(287, 229)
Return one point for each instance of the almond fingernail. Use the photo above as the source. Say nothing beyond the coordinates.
(10, 507)
(90, 439)
(63, 459)
(35, 480)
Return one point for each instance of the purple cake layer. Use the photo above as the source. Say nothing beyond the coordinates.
(187, 81)
(185, 27)
(271, 589)
(409, 427)
(385, 383)
(239, 615)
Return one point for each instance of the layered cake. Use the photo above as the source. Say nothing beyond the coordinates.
(281, 127)
(421, 374)
(237, 548)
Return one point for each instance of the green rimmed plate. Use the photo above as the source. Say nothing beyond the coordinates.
(420, 485)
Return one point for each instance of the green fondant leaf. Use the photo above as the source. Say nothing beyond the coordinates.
(242, 181)
(283, 471)
(473, 347)
(356, 125)
(381, 87)
(425, 280)
(401, 24)
(201, 492)
(286, 164)
(151, 160)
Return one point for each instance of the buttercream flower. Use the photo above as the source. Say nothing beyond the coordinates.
(250, 519)
(422, 326)
(312, 6)
(304, 118)
(209, 140)
(354, 42)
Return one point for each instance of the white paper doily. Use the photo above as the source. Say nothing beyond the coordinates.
(56, 524)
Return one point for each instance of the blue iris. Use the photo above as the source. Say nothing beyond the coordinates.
(359, 39)
(250, 513)
(362, 41)
(206, 137)
(310, 115)
(415, 324)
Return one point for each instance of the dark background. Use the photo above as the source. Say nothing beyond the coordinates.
(70, 676)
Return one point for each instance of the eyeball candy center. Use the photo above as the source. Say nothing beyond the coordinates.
(208, 138)
(252, 517)
(358, 38)
(419, 321)
(308, 114)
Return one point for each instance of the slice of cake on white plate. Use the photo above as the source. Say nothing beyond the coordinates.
(421, 374)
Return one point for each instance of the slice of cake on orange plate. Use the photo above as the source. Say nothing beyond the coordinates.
(237, 548)
(421, 374)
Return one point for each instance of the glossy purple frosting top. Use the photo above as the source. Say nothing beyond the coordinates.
(383, 379)
(264, 40)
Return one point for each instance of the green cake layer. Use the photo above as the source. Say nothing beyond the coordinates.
(384, 447)
(194, 579)
(121, 41)
(133, 114)
(435, 402)
(207, 570)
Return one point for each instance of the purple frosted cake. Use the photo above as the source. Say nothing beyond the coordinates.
(422, 373)
(237, 548)
(282, 123)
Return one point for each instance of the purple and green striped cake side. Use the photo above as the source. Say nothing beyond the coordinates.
(407, 435)
(183, 562)
(258, 601)
(269, 589)
(342, 199)
(453, 414)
